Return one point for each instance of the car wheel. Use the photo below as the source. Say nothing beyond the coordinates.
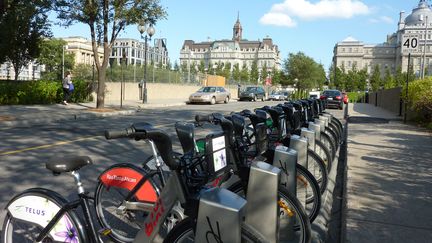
(213, 101)
(226, 100)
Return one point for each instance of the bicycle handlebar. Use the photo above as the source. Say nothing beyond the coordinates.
(146, 131)
(113, 134)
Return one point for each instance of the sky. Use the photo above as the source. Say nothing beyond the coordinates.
(309, 26)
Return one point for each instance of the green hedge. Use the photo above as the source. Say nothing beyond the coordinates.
(356, 97)
(40, 92)
(420, 98)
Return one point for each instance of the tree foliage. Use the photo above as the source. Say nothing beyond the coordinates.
(254, 72)
(375, 78)
(308, 73)
(106, 19)
(23, 27)
(52, 57)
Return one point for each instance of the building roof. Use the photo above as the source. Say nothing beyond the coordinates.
(419, 14)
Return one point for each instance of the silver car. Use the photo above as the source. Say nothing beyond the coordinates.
(210, 94)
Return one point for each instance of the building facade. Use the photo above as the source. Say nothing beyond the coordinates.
(235, 51)
(392, 54)
(133, 51)
(31, 71)
(82, 50)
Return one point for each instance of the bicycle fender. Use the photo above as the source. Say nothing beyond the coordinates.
(127, 176)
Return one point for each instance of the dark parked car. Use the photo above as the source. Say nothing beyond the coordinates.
(332, 98)
(252, 93)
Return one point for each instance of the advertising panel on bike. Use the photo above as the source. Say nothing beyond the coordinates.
(216, 153)
(128, 177)
(40, 211)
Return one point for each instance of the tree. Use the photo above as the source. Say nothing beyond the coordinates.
(52, 57)
(244, 73)
(388, 81)
(264, 72)
(226, 72)
(176, 66)
(305, 70)
(254, 74)
(236, 72)
(375, 78)
(219, 68)
(363, 76)
(201, 67)
(23, 27)
(106, 19)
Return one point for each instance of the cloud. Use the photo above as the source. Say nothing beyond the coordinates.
(278, 19)
(306, 10)
(382, 19)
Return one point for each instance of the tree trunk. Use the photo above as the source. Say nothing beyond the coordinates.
(101, 89)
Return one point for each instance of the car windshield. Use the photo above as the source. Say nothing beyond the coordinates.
(207, 90)
(331, 93)
(278, 93)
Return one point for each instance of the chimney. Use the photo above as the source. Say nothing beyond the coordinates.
(401, 23)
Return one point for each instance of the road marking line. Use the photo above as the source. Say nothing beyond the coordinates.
(46, 146)
(60, 143)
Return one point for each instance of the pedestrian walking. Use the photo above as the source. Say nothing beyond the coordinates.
(68, 87)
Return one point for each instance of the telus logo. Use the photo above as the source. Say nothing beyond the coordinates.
(30, 210)
(120, 178)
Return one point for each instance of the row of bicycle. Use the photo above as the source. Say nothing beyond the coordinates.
(258, 178)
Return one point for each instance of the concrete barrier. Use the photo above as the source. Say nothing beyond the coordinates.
(155, 91)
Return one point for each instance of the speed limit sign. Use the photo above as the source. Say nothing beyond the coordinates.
(410, 43)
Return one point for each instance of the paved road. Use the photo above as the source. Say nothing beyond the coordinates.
(23, 150)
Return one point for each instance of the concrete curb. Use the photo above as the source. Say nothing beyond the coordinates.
(64, 117)
(320, 225)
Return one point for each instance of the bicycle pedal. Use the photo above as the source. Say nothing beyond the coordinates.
(105, 232)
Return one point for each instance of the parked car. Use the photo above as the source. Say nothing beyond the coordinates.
(345, 98)
(279, 95)
(332, 98)
(252, 93)
(210, 94)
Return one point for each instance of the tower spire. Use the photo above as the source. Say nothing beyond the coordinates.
(237, 29)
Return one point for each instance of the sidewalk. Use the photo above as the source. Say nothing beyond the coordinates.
(389, 179)
(28, 115)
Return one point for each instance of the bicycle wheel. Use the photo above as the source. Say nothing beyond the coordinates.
(308, 192)
(338, 124)
(324, 153)
(336, 131)
(317, 167)
(29, 212)
(333, 137)
(327, 141)
(124, 224)
(183, 232)
(294, 223)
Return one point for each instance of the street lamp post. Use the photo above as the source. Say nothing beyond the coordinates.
(63, 59)
(424, 46)
(142, 28)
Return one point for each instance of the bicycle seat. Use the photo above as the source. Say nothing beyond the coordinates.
(68, 164)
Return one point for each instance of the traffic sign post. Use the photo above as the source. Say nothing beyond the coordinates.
(410, 45)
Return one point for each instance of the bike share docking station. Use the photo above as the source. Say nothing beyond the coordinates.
(300, 145)
(222, 212)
